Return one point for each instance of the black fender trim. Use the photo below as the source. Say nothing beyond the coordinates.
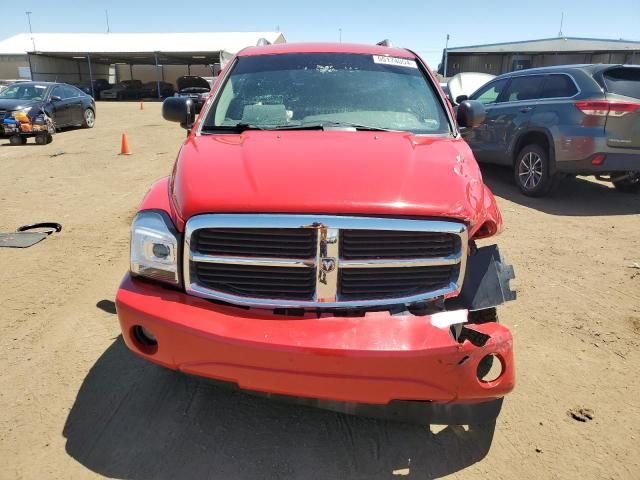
(486, 281)
(552, 148)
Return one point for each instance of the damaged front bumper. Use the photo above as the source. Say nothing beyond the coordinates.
(374, 359)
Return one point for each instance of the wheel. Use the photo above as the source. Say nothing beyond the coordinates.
(532, 171)
(17, 140)
(88, 118)
(629, 185)
(44, 139)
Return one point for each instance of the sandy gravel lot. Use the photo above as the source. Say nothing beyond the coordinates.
(74, 403)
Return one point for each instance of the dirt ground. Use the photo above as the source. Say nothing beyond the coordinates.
(74, 403)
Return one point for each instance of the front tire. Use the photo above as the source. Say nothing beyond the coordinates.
(628, 185)
(88, 118)
(532, 171)
(44, 139)
(17, 140)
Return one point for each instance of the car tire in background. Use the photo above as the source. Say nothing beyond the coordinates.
(629, 185)
(88, 118)
(532, 172)
(44, 139)
(17, 140)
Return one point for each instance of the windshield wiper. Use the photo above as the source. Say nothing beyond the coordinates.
(330, 124)
(237, 128)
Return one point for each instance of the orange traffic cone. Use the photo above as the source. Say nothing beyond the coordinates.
(124, 146)
(141, 105)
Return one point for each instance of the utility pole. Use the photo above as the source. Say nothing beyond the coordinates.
(29, 20)
(561, 22)
(446, 57)
(31, 31)
(106, 14)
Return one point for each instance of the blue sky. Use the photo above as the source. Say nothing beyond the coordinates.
(419, 25)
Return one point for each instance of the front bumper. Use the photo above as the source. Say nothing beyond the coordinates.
(372, 359)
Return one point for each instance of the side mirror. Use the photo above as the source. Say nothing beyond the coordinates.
(461, 98)
(179, 109)
(471, 114)
(55, 98)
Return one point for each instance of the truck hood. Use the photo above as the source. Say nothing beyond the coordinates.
(331, 172)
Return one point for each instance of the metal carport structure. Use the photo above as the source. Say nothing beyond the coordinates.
(75, 57)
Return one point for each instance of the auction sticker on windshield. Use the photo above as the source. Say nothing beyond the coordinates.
(395, 61)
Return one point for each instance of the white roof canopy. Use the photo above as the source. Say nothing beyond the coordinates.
(127, 43)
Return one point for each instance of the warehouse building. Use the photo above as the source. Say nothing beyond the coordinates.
(498, 58)
(161, 57)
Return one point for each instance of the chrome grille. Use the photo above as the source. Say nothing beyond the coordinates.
(322, 261)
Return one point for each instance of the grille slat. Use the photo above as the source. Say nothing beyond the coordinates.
(251, 242)
(384, 244)
(260, 282)
(368, 283)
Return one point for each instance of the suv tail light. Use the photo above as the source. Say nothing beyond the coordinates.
(602, 108)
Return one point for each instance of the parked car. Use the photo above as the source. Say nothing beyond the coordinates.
(317, 238)
(125, 90)
(565, 120)
(81, 86)
(99, 85)
(150, 89)
(465, 83)
(166, 89)
(195, 88)
(447, 93)
(5, 83)
(65, 104)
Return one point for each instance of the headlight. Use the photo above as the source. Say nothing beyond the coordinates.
(154, 247)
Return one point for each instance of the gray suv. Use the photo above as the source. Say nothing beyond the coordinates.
(552, 122)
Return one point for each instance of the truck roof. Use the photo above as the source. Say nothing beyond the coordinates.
(283, 48)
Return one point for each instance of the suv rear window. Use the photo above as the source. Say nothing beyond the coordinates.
(623, 81)
(298, 89)
(558, 86)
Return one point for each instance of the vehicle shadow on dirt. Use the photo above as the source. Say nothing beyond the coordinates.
(135, 420)
(574, 197)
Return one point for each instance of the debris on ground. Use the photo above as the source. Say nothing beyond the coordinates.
(402, 471)
(57, 154)
(581, 414)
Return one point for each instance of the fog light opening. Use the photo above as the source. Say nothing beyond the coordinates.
(145, 340)
(490, 368)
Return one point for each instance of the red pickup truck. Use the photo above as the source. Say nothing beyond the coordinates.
(316, 239)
